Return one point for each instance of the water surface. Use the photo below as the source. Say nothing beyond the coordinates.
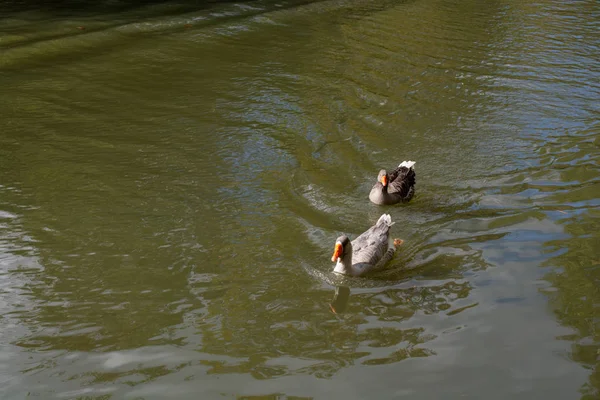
(173, 177)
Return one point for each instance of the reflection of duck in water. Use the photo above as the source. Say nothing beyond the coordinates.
(340, 299)
(395, 187)
(368, 252)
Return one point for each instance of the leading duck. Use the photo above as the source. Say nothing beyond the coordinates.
(368, 252)
(395, 187)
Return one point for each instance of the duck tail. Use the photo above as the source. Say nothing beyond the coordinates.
(386, 220)
(407, 164)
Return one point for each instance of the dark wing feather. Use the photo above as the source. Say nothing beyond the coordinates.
(402, 181)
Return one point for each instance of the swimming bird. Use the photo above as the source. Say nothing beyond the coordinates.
(368, 252)
(395, 187)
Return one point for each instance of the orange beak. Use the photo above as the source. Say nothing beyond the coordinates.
(384, 180)
(337, 252)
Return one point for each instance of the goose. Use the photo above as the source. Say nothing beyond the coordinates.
(395, 187)
(368, 252)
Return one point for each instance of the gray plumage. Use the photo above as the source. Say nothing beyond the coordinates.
(368, 252)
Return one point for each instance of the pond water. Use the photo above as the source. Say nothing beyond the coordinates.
(173, 177)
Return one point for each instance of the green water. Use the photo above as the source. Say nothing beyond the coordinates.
(173, 178)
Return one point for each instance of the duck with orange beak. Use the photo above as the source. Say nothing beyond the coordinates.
(368, 252)
(396, 187)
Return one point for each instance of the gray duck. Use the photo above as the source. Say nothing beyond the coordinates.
(396, 187)
(368, 252)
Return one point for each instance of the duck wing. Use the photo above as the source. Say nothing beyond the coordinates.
(402, 182)
(371, 245)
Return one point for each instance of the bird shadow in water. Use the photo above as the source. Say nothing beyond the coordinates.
(340, 299)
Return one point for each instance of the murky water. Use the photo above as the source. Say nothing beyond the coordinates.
(173, 177)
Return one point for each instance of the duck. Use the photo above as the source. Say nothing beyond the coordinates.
(370, 251)
(395, 187)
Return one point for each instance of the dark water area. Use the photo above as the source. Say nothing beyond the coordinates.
(173, 176)
(82, 7)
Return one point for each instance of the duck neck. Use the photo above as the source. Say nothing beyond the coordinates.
(344, 264)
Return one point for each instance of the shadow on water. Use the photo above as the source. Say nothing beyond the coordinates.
(340, 299)
(87, 7)
(59, 31)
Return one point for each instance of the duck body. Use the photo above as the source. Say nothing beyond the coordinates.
(368, 252)
(396, 187)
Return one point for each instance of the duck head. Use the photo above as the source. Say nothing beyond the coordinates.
(341, 250)
(383, 177)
